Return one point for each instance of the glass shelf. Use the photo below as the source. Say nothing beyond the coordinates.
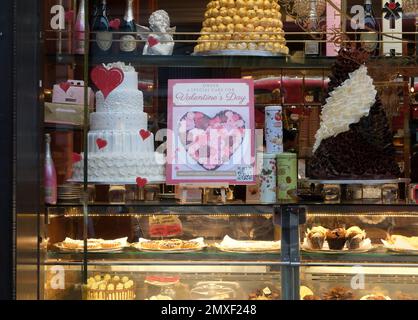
(135, 257)
(203, 61)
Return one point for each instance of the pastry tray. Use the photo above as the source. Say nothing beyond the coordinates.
(256, 53)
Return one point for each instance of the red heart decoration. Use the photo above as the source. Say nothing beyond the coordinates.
(141, 182)
(115, 24)
(152, 41)
(101, 143)
(144, 134)
(204, 147)
(392, 6)
(107, 80)
(77, 157)
(65, 86)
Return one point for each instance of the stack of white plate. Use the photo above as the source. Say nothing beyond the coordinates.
(70, 193)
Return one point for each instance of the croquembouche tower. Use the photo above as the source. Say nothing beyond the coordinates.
(251, 27)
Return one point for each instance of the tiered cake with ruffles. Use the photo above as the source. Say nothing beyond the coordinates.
(120, 149)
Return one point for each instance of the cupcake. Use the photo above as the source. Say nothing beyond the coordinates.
(354, 236)
(336, 238)
(316, 237)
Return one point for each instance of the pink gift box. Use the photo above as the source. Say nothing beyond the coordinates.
(72, 92)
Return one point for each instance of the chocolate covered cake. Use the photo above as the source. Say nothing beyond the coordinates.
(354, 140)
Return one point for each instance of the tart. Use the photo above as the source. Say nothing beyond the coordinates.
(355, 237)
(316, 237)
(338, 293)
(336, 238)
(111, 244)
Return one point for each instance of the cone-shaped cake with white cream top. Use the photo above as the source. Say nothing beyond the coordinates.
(354, 140)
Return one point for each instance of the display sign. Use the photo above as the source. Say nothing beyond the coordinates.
(211, 132)
(392, 27)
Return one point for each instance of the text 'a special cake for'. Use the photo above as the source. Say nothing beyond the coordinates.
(248, 27)
(354, 140)
(120, 148)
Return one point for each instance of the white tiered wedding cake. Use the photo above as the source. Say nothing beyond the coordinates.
(120, 149)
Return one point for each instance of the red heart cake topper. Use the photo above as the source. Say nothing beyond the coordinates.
(101, 143)
(115, 24)
(144, 134)
(141, 182)
(77, 157)
(65, 86)
(152, 41)
(107, 80)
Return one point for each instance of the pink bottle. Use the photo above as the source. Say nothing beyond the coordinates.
(79, 30)
(50, 174)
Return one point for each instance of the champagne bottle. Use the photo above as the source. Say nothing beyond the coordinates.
(369, 37)
(128, 41)
(50, 174)
(101, 31)
(312, 47)
(79, 30)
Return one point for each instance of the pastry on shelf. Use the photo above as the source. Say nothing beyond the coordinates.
(336, 238)
(170, 245)
(399, 243)
(265, 294)
(231, 245)
(316, 237)
(338, 293)
(375, 297)
(106, 287)
(92, 244)
(247, 26)
(355, 236)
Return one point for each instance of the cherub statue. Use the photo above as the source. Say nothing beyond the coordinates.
(159, 39)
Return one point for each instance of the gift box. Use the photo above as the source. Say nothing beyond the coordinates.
(72, 92)
(59, 113)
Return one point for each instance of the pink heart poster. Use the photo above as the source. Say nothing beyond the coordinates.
(211, 132)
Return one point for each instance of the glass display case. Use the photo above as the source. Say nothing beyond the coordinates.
(97, 216)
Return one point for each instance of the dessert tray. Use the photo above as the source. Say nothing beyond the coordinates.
(248, 246)
(401, 244)
(258, 53)
(170, 246)
(365, 246)
(93, 245)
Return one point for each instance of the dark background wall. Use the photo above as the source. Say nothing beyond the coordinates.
(6, 150)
